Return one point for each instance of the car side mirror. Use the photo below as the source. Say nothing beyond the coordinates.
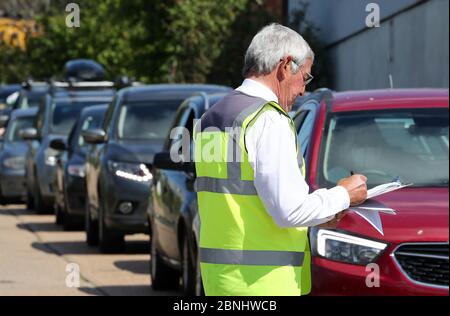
(29, 133)
(163, 160)
(58, 144)
(94, 136)
(4, 121)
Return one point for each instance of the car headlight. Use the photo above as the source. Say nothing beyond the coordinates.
(76, 170)
(51, 160)
(131, 171)
(14, 163)
(51, 157)
(343, 247)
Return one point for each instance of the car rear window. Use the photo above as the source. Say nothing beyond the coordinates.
(410, 143)
(146, 120)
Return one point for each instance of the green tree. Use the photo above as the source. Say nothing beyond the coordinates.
(150, 40)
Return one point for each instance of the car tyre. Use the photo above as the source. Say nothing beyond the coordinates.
(162, 276)
(91, 227)
(29, 200)
(39, 205)
(188, 269)
(109, 241)
(59, 215)
(198, 287)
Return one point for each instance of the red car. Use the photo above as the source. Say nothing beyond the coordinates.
(385, 135)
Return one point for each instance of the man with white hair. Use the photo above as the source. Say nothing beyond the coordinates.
(253, 200)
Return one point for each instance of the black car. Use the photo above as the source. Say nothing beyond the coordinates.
(118, 167)
(173, 215)
(56, 116)
(70, 197)
(12, 157)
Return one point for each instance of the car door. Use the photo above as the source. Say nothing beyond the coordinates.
(304, 122)
(167, 193)
(93, 161)
(33, 146)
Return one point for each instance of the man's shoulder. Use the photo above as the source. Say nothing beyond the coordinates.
(225, 112)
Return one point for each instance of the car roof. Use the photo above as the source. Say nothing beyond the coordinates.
(199, 100)
(168, 91)
(83, 93)
(94, 109)
(34, 92)
(8, 89)
(100, 96)
(24, 112)
(392, 98)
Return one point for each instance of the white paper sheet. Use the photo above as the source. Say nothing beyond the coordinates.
(385, 188)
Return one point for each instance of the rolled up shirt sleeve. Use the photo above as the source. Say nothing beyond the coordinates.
(278, 180)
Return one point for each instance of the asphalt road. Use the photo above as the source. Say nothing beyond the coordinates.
(35, 253)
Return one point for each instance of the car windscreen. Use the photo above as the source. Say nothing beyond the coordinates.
(411, 144)
(64, 114)
(146, 120)
(16, 125)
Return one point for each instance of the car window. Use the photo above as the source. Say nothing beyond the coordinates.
(410, 143)
(179, 123)
(181, 131)
(30, 100)
(64, 113)
(109, 114)
(304, 122)
(39, 121)
(91, 121)
(14, 128)
(146, 120)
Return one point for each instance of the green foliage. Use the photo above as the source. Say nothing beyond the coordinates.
(150, 40)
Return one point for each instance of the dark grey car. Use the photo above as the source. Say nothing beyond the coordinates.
(12, 157)
(70, 175)
(56, 116)
(118, 167)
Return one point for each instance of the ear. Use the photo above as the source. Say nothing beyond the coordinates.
(284, 68)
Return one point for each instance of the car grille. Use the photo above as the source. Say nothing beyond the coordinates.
(425, 263)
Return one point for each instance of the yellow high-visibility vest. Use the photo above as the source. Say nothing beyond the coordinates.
(242, 250)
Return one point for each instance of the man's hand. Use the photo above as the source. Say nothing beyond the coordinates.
(334, 222)
(356, 187)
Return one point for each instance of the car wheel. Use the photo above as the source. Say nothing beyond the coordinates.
(188, 269)
(39, 205)
(162, 276)
(198, 288)
(59, 215)
(91, 227)
(2, 198)
(69, 222)
(109, 241)
(29, 199)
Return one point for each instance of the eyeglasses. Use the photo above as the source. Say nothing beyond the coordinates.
(309, 77)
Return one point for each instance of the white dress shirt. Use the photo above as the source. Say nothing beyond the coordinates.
(278, 179)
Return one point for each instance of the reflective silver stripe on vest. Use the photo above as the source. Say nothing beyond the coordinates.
(251, 257)
(227, 186)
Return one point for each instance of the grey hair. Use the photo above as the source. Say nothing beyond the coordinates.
(273, 43)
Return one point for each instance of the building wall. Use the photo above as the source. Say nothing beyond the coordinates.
(411, 45)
